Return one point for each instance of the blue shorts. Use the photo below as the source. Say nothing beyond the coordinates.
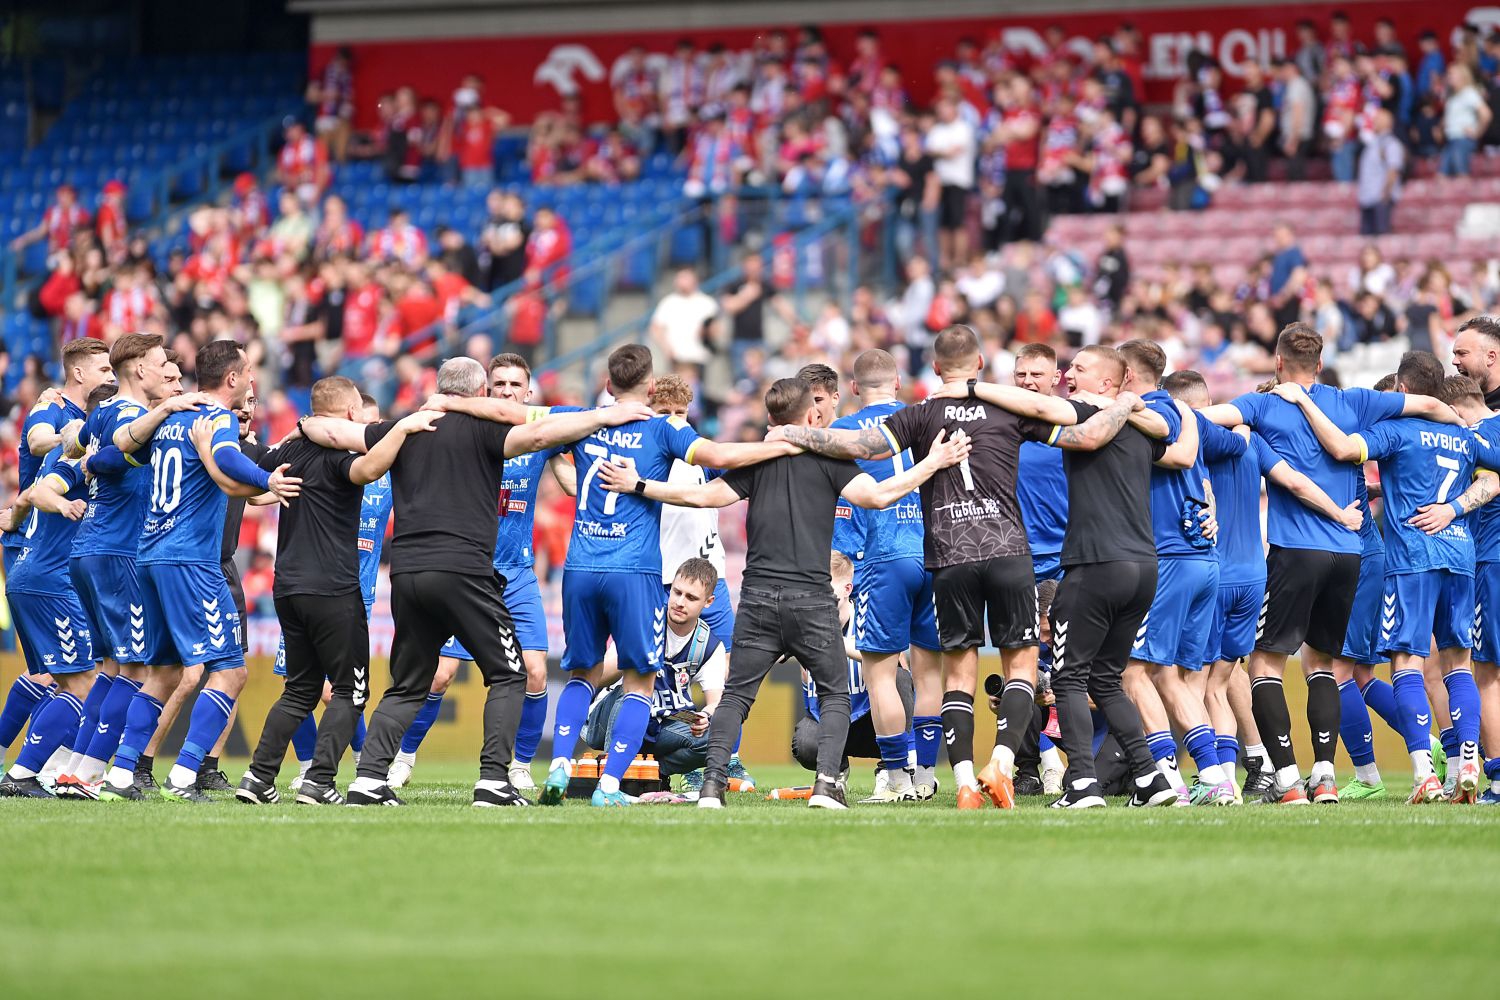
(1175, 630)
(8, 556)
(893, 608)
(1047, 566)
(523, 599)
(1362, 637)
(190, 616)
(54, 633)
(1231, 632)
(1417, 609)
(1486, 609)
(110, 593)
(631, 608)
(719, 615)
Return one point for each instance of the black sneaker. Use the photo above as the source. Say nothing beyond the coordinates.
(1257, 784)
(711, 794)
(382, 796)
(23, 788)
(146, 781)
(182, 793)
(1159, 793)
(214, 781)
(1028, 784)
(827, 794)
(310, 794)
(1088, 797)
(253, 791)
(505, 795)
(130, 793)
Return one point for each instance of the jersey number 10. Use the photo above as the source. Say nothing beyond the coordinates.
(166, 480)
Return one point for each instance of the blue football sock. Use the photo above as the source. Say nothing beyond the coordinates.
(1162, 746)
(92, 706)
(572, 712)
(928, 730)
(1381, 698)
(411, 742)
(529, 732)
(1203, 743)
(357, 741)
(736, 751)
(140, 725)
(1463, 705)
(55, 726)
(892, 751)
(1492, 768)
(106, 737)
(1354, 725)
(210, 715)
(25, 695)
(1449, 739)
(911, 745)
(1413, 713)
(1044, 743)
(1101, 730)
(626, 734)
(305, 739)
(1229, 751)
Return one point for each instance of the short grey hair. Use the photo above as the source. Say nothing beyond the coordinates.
(461, 377)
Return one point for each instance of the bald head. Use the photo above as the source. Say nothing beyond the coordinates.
(956, 350)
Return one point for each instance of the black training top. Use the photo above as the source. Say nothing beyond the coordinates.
(790, 522)
(234, 513)
(317, 543)
(1109, 498)
(446, 485)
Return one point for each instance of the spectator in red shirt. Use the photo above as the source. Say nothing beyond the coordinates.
(361, 313)
(612, 159)
(79, 319)
(110, 223)
(400, 241)
(249, 211)
(1020, 132)
(474, 143)
(337, 234)
(1036, 324)
(59, 222)
(548, 247)
(60, 285)
(452, 289)
(302, 164)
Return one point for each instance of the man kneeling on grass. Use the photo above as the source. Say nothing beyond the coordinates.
(678, 732)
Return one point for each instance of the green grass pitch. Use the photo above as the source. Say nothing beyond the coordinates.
(763, 899)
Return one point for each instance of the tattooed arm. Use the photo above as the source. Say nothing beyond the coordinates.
(1434, 517)
(868, 442)
(1097, 431)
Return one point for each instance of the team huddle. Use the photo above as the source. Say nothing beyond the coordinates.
(1109, 545)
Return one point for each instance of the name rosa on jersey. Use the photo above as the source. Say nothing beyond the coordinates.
(965, 414)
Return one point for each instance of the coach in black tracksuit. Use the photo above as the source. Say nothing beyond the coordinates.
(446, 490)
(318, 597)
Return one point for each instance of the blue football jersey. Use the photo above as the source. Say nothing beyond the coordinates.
(1422, 462)
(186, 509)
(518, 491)
(1042, 489)
(117, 502)
(859, 695)
(1484, 523)
(616, 532)
(374, 516)
(1289, 524)
(895, 532)
(1370, 542)
(1179, 496)
(42, 566)
(53, 415)
(1236, 482)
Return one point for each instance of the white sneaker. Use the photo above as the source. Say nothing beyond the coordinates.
(519, 775)
(926, 783)
(884, 793)
(882, 784)
(1052, 781)
(401, 768)
(296, 783)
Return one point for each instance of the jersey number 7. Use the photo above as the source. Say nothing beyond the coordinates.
(601, 455)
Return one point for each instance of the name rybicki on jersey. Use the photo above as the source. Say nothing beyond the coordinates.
(1447, 442)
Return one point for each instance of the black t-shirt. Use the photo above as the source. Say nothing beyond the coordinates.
(1114, 275)
(749, 324)
(446, 489)
(916, 169)
(790, 521)
(504, 268)
(970, 511)
(1109, 498)
(317, 542)
(1492, 398)
(1119, 91)
(234, 514)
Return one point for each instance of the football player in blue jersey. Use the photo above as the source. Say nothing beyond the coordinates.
(85, 365)
(1428, 597)
(102, 561)
(893, 601)
(1312, 568)
(612, 580)
(678, 732)
(190, 617)
(1235, 484)
(50, 623)
(1466, 397)
(509, 380)
(1169, 650)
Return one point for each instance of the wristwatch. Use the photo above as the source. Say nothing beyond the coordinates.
(972, 383)
(640, 487)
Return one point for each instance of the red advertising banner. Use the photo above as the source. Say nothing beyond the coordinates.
(527, 75)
